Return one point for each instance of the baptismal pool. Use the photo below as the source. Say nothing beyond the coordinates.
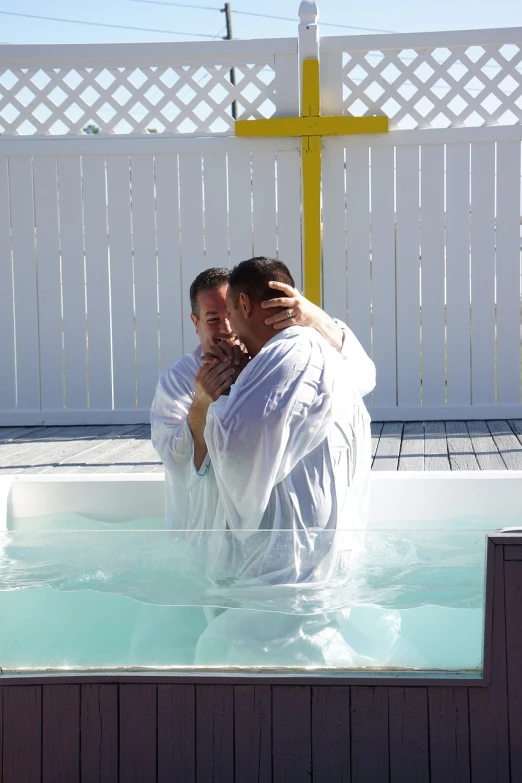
(91, 580)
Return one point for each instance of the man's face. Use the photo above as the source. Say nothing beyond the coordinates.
(235, 315)
(213, 318)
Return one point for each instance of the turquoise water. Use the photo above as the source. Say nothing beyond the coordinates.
(83, 593)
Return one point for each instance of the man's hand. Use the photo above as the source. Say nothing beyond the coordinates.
(302, 313)
(226, 353)
(212, 381)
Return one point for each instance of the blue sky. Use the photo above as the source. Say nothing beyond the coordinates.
(401, 15)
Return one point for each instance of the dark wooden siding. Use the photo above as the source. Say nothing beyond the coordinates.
(192, 731)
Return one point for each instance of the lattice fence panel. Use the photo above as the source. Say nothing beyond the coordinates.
(436, 86)
(157, 99)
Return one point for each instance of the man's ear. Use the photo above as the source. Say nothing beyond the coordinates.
(194, 320)
(245, 305)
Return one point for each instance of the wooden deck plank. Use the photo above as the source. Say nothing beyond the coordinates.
(436, 455)
(389, 447)
(449, 735)
(22, 733)
(409, 735)
(460, 449)
(176, 733)
(291, 733)
(484, 446)
(376, 429)
(99, 732)
(331, 734)
(138, 727)
(253, 733)
(214, 734)
(369, 734)
(401, 446)
(513, 588)
(61, 733)
(411, 455)
(507, 444)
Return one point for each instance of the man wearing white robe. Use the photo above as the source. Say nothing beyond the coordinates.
(290, 452)
(191, 494)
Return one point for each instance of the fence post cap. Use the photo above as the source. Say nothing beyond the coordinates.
(308, 13)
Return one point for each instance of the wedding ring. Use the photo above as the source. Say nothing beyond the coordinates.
(289, 313)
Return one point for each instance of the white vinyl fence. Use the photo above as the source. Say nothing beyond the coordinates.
(101, 234)
(424, 224)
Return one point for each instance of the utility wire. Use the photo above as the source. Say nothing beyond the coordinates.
(103, 24)
(264, 16)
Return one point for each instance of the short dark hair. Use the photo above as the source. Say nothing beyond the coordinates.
(252, 277)
(209, 279)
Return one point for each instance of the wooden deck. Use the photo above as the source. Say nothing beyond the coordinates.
(439, 445)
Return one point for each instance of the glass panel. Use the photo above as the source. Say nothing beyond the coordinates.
(120, 595)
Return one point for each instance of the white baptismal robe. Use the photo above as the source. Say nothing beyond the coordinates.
(191, 495)
(285, 447)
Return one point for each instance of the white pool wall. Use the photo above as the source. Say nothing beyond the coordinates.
(396, 498)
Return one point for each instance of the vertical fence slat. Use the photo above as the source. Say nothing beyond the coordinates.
(61, 733)
(263, 188)
(216, 216)
(508, 272)
(176, 734)
(121, 277)
(145, 277)
(358, 244)
(383, 275)
(289, 213)
(192, 238)
(457, 274)
(334, 233)
(369, 733)
(7, 343)
(25, 293)
(49, 284)
(331, 734)
(449, 735)
(409, 735)
(286, 85)
(432, 275)
(240, 206)
(253, 733)
(138, 727)
(214, 733)
(99, 733)
(483, 273)
(407, 275)
(292, 733)
(73, 281)
(22, 733)
(169, 261)
(97, 281)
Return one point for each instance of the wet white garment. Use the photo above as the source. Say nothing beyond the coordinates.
(190, 495)
(290, 450)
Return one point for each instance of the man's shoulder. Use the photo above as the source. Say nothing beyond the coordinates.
(185, 369)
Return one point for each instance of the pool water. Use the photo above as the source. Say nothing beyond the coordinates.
(86, 593)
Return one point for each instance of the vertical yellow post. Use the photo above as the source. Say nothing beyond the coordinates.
(311, 171)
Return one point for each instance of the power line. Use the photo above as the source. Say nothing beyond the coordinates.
(103, 24)
(263, 16)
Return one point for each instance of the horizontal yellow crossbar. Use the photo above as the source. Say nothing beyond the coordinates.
(312, 126)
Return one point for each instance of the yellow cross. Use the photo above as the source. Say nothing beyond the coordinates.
(310, 126)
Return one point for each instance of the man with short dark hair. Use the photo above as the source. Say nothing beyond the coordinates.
(290, 454)
(186, 389)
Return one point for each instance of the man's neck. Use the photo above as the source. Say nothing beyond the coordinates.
(259, 338)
